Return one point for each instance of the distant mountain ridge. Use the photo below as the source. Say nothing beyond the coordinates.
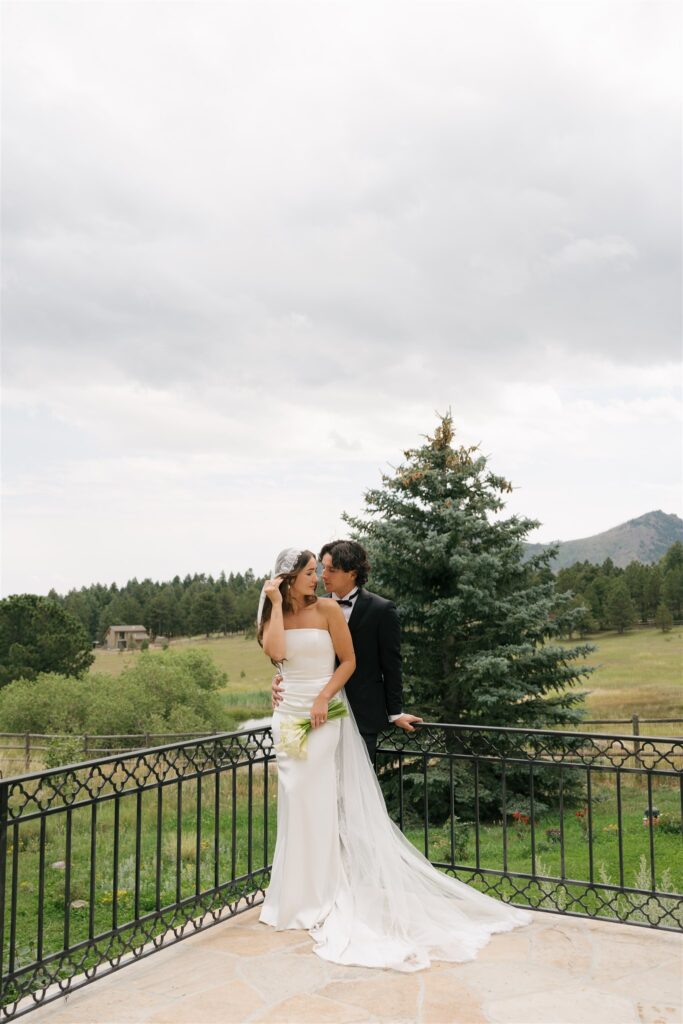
(644, 539)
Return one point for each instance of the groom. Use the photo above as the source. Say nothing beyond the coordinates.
(374, 690)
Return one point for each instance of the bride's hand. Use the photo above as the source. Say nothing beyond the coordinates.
(272, 590)
(319, 712)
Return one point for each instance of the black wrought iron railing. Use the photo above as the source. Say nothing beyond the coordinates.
(27, 751)
(106, 861)
(576, 823)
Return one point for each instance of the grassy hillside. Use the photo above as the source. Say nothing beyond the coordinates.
(640, 671)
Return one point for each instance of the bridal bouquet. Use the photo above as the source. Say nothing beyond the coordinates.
(294, 732)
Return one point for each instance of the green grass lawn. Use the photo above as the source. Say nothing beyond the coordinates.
(605, 839)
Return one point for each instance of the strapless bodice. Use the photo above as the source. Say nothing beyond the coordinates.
(307, 667)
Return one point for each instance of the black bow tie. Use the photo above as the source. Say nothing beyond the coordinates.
(348, 601)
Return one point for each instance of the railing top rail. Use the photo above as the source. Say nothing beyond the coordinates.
(127, 754)
(103, 735)
(625, 740)
(523, 731)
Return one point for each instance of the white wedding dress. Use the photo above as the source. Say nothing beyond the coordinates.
(341, 868)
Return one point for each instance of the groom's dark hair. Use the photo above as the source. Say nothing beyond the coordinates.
(350, 556)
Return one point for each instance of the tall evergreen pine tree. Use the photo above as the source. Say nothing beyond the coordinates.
(478, 621)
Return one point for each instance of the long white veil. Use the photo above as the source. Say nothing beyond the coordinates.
(394, 909)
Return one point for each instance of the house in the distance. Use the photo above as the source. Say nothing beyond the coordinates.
(125, 638)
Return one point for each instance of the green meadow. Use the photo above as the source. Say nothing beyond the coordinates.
(249, 673)
(636, 672)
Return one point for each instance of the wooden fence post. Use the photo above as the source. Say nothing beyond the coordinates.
(27, 752)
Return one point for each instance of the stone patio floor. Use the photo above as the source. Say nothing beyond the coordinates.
(558, 970)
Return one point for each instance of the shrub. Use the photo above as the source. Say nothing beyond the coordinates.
(175, 692)
(64, 750)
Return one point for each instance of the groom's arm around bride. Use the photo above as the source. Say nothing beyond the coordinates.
(375, 690)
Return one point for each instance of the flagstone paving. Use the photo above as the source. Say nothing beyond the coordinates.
(558, 970)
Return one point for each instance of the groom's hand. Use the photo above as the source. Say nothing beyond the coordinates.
(405, 722)
(277, 691)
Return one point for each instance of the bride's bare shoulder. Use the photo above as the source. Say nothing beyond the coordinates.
(330, 609)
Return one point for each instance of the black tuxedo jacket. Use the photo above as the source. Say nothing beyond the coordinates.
(375, 689)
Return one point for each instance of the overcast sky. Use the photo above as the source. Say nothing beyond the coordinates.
(250, 249)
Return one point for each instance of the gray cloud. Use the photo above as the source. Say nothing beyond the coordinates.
(337, 217)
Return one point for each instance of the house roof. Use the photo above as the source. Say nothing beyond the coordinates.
(129, 629)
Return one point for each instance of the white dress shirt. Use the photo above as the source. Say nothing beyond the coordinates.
(346, 612)
(347, 609)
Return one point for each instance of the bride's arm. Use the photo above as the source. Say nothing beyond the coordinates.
(274, 629)
(343, 647)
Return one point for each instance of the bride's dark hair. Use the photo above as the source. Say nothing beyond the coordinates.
(287, 580)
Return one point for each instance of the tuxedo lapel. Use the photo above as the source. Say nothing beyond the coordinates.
(359, 610)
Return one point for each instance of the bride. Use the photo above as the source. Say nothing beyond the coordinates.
(341, 868)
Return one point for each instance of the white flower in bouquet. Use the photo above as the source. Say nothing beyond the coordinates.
(294, 732)
(292, 738)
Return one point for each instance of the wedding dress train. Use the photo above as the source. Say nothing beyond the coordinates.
(341, 868)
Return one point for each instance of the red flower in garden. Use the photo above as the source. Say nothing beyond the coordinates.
(518, 816)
